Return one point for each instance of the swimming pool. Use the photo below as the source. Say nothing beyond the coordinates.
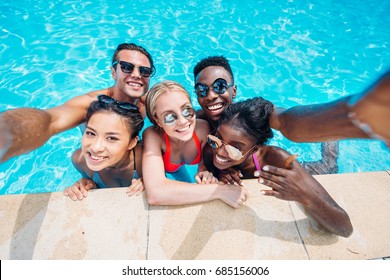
(298, 52)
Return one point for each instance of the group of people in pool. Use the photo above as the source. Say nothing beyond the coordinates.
(227, 140)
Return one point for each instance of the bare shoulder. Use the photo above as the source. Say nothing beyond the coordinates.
(202, 127)
(79, 163)
(151, 134)
(275, 156)
(138, 150)
(201, 115)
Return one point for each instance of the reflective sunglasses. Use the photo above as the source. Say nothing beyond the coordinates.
(171, 118)
(123, 105)
(219, 86)
(233, 152)
(128, 68)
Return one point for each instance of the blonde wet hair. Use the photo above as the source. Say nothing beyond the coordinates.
(156, 91)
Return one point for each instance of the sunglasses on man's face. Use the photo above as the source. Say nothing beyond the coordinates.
(123, 105)
(171, 118)
(219, 86)
(128, 68)
(233, 152)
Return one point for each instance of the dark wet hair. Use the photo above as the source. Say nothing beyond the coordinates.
(220, 61)
(133, 118)
(133, 47)
(251, 116)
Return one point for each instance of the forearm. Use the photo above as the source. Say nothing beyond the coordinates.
(27, 129)
(170, 192)
(329, 214)
(316, 123)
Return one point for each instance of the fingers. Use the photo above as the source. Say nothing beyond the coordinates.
(270, 193)
(137, 187)
(236, 177)
(271, 182)
(76, 192)
(232, 178)
(227, 179)
(205, 177)
(241, 199)
(198, 178)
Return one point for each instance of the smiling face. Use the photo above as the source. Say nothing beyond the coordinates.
(174, 114)
(213, 104)
(235, 137)
(133, 84)
(106, 140)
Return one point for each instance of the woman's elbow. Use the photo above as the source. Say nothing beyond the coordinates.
(153, 200)
(347, 230)
(153, 196)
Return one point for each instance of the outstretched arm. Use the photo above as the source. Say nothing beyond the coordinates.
(27, 128)
(297, 185)
(316, 123)
(364, 115)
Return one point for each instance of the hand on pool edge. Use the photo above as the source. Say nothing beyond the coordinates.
(80, 189)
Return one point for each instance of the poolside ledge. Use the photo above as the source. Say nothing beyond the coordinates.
(110, 225)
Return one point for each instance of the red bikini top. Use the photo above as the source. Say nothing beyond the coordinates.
(173, 167)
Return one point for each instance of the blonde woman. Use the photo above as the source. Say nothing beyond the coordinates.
(176, 139)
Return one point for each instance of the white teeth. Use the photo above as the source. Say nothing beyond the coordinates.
(220, 159)
(184, 128)
(97, 157)
(215, 107)
(133, 84)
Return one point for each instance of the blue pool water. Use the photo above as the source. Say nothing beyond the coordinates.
(289, 52)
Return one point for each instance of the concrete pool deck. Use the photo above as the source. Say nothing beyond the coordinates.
(110, 225)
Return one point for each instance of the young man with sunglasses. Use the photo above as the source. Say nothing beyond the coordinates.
(215, 90)
(29, 128)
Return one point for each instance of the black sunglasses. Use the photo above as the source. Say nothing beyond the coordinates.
(219, 86)
(128, 68)
(123, 105)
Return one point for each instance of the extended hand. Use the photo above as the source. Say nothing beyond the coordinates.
(370, 111)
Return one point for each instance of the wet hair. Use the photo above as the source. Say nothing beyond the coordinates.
(251, 116)
(133, 118)
(220, 61)
(133, 47)
(156, 91)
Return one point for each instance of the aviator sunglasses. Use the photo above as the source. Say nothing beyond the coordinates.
(233, 152)
(171, 118)
(128, 68)
(123, 105)
(219, 86)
